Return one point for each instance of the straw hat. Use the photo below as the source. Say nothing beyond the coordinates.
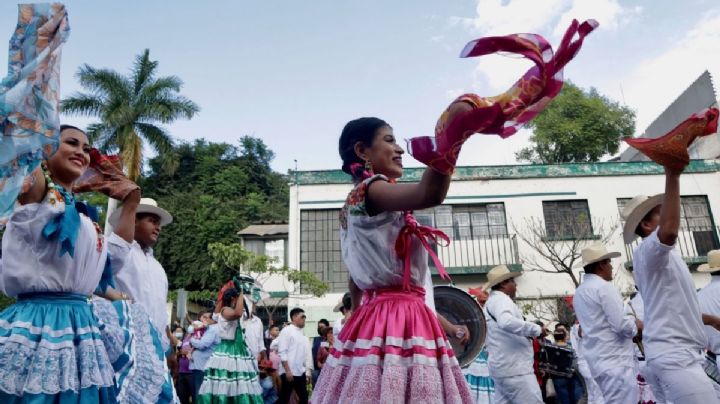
(635, 211)
(596, 253)
(713, 263)
(340, 304)
(499, 274)
(147, 205)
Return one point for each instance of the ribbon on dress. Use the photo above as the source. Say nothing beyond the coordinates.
(64, 227)
(425, 234)
(505, 113)
(671, 149)
(30, 96)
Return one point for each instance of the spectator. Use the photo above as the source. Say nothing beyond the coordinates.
(293, 350)
(271, 334)
(343, 307)
(202, 349)
(322, 325)
(569, 390)
(269, 381)
(184, 382)
(253, 327)
(325, 347)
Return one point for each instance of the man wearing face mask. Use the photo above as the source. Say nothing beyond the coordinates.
(607, 332)
(569, 389)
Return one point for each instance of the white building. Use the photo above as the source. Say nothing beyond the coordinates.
(486, 214)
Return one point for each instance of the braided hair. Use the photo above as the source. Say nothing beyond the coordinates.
(358, 130)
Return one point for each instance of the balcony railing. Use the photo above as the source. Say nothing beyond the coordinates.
(478, 255)
(693, 243)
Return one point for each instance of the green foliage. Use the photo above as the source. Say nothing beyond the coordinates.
(231, 259)
(217, 190)
(578, 126)
(5, 301)
(129, 108)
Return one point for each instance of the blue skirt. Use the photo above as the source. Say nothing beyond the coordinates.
(482, 387)
(51, 351)
(135, 351)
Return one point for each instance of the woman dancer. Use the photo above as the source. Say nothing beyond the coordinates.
(231, 374)
(54, 256)
(393, 348)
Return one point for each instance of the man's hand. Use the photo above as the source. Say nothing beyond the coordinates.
(712, 321)
(289, 377)
(640, 327)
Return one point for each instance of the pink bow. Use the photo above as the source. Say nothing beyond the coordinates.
(425, 234)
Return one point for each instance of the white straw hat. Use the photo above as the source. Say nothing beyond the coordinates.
(713, 263)
(635, 211)
(596, 253)
(498, 275)
(147, 205)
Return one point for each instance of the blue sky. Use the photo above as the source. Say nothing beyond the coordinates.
(293, 73)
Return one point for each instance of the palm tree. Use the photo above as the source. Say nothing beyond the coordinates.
(129, 108)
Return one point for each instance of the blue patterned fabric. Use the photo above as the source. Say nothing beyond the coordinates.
(135, 351)
(51, 351)
(482, 387)
(29, 97)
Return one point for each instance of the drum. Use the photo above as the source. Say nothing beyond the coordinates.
(711, 369)
(459, 308)
(557, 360)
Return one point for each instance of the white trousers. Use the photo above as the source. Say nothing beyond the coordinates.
(619, 385)
(594, 394)
(517, 390)
(686, 384)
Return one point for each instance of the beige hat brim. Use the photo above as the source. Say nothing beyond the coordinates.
(610, 255)
(165, 217)
(337, 307)
(502, 279)
(706, 268)
(632, 221)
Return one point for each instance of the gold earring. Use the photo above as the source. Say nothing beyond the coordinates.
(368, 166)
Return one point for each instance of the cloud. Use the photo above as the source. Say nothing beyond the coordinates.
(656, 82)
(550, 18)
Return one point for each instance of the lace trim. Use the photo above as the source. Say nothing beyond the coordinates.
(27, 370)
(230, 388)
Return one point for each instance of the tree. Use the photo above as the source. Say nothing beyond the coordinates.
(215, 192)
(553, 255)
(578, 126)
(232, 259)
(129, 108)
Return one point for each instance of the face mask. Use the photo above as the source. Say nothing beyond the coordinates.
(178, 335)
(559, 336)
(190, 329)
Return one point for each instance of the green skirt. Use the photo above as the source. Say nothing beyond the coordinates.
(231, 374)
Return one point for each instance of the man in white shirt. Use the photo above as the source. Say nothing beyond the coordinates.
(607, 332)
(674, 337)
(142, 277)
(709, 298)
(594, 394)
(510, 351)
(253, 328)
(293, 349)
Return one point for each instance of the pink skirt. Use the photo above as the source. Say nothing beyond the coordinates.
(392, 350)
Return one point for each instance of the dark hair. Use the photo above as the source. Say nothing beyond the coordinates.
(202, 313)
(229, 295)
(324, 321)
(347, 301)
(295, 312)
(143, 215)
(638, 229)
(326, 331)
(358, 130)
(591, 268)
(64, 127)
(273, 326)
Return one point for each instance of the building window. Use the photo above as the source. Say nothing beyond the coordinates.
(698, 233)
(462, 222)
(567, 219)
(320, 247)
